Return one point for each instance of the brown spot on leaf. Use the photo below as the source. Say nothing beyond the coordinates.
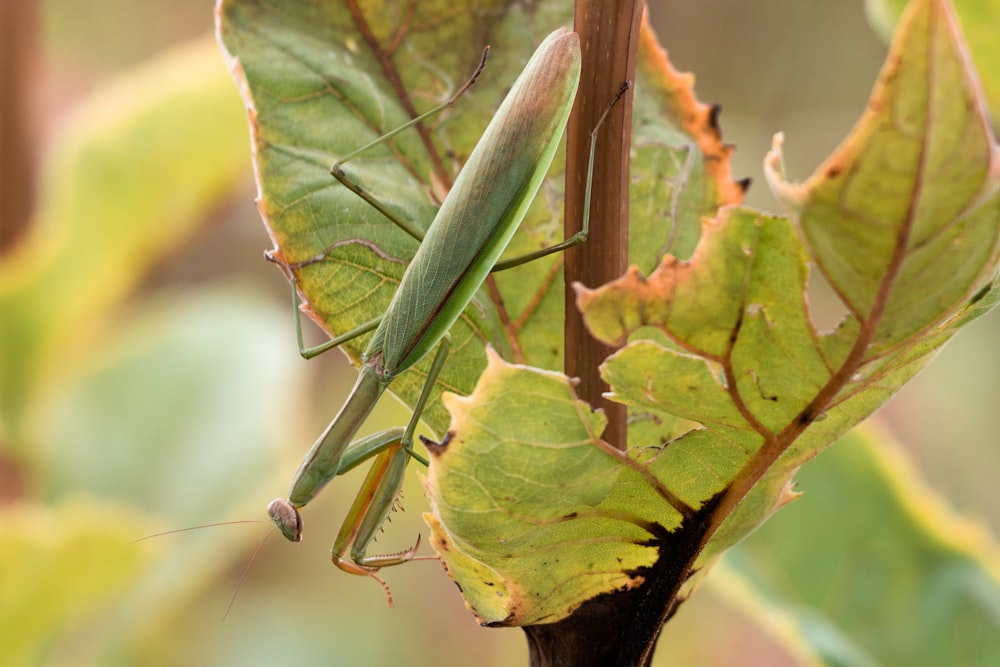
(437, 449)
(713, 119)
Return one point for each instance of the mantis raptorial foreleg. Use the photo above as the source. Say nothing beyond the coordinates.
(463, 244)
(375, 499)
(325, 459)
(392, 450)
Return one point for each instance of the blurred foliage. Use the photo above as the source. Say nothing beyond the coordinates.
(134, 171)
(158, 387)
(903, 582)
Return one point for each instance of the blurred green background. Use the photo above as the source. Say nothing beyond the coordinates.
(165, 390)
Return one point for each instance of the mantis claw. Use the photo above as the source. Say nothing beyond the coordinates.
(370, 565)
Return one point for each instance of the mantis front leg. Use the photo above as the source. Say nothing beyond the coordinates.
(333, 453)
(376, 498)
(392, 450)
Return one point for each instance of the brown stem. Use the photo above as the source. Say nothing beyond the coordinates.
(609, 32)
(18, 22)
(609, 38)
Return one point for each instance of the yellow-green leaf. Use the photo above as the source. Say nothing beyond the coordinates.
(979, 18)
(59, 567)
(902, 219)
(530, 516)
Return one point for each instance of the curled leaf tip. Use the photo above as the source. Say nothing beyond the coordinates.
(774, 173)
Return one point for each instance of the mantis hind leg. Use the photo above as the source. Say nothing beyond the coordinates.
(380, 491)
(581, 235)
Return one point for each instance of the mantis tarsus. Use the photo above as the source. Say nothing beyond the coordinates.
(461, 247)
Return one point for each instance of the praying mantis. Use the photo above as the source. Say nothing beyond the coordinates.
(463, 244)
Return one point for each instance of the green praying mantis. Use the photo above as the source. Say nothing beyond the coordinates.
(463, 244)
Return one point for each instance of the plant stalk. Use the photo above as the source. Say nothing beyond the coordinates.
(18, 29)
(609, 39)
(609, 33)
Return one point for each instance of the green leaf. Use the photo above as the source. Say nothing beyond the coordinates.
(903, 220)
(979, 22)
(133, 173)
(529, 514)
(870, 568)
(914, 185)
(321, 81)
(170, 454)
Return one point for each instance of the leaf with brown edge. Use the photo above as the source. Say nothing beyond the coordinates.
(322, 79)
(534, 516)
(744, 361)
(682, 170)
(903, 220)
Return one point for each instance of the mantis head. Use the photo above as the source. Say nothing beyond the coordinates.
(287, 518)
